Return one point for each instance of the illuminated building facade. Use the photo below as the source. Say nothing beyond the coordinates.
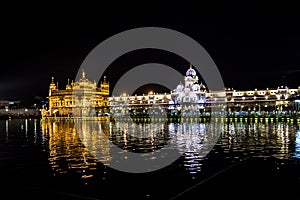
(280, 100)
(84, 98)
(189, 96)
(81, 98)
(195, 97)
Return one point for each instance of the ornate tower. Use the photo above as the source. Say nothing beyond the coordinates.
(52, 86)
(191, 77)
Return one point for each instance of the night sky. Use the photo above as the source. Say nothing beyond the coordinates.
(253, 47)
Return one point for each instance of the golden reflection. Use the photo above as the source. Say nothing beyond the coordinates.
(67, 152)
(94, 135)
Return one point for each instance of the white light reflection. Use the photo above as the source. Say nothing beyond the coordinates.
(6, 126)
(6, 130)
(26, 127)
(297, 144)
(34, 130)
(189, 139)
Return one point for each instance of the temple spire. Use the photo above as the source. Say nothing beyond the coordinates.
(83, 73)
(52, 84)
(191, 66)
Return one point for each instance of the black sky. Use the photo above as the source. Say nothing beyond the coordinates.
(253, 47)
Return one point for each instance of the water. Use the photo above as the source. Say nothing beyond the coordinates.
(50, 159)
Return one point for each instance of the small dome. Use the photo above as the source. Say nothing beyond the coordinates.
(179, 87)
(196, 87)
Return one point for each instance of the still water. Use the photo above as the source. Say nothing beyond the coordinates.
(53, 156)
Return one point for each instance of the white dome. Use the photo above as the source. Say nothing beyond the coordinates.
(190, 72)
(179, 87)
(196, 87)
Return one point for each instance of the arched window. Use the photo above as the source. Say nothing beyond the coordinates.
(187, 99)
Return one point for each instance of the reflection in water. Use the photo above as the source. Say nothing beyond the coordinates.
(25, 148)
(237, 140)
(35, 130)
(6, 126)
(66, 151)
(26, 127)
(297, 144)
(6, 130)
